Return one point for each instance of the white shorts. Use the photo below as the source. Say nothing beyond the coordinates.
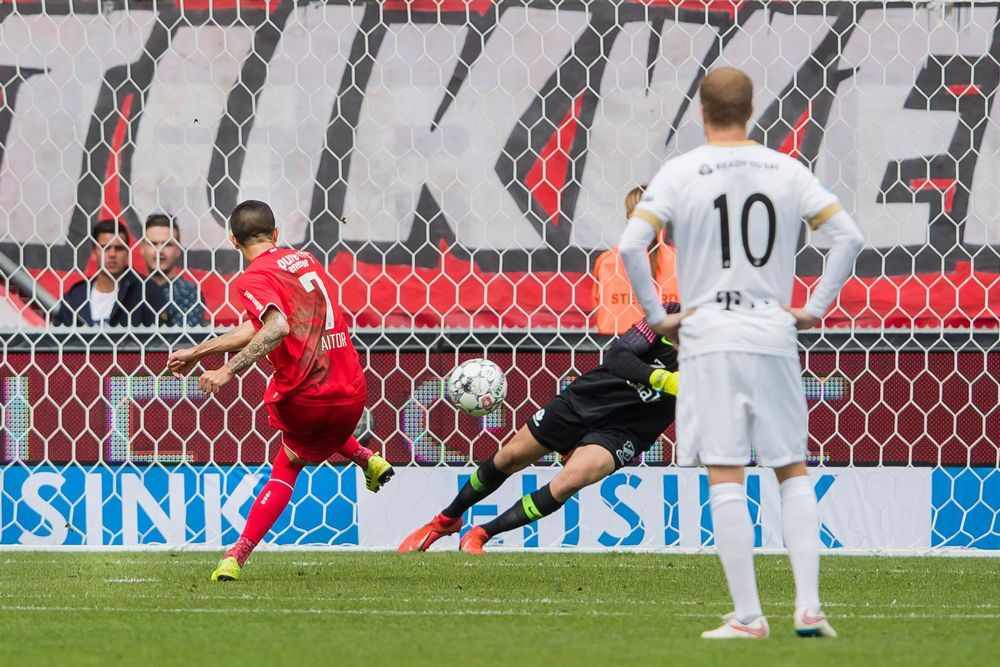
(727, 401)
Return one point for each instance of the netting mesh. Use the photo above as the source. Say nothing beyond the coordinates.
(460, 166)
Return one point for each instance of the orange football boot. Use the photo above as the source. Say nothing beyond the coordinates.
(422, 538)
(472, 542)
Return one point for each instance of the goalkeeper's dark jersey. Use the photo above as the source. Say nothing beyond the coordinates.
(621, 383)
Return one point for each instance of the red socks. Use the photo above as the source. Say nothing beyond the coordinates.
(269, 505)
(274, 497)
(355, 452)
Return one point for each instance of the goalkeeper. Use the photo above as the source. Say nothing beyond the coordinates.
(604, 418)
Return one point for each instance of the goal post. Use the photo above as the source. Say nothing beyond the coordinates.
(460, 166)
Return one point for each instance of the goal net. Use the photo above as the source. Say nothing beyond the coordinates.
(460, 166)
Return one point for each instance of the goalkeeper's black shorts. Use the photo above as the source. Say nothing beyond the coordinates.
(625, 432)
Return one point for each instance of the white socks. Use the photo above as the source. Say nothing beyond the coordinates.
(734, 540)
(800, 530)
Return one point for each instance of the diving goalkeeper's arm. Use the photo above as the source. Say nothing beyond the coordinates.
(624, 356)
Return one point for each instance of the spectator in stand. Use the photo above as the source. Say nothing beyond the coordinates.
(615, 306)
(116, 295)
(161, 248)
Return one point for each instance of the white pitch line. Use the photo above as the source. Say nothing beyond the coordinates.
(307, 612)
(718, 602)
(334, 564)
(131, 581)
(408, 612)
(834, 564)
(713, 602)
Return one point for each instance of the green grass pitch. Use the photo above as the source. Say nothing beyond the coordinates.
(304, 608)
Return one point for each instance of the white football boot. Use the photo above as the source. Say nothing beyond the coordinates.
(733, 629)
(812, 625)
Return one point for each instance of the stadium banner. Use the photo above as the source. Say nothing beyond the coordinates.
(865, 408)
(462, 164)
(643, 508)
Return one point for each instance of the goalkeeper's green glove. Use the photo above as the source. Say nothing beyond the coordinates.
(664, 380)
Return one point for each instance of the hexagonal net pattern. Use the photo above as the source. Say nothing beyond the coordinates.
(460, 167)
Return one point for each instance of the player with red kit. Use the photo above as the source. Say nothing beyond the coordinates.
(317, 394)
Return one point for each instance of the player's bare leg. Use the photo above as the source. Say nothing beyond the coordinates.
(521, 451)
(589, 464)
(270, 503)
(800, 531)
(734, 541)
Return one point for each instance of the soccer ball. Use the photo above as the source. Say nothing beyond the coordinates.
(477, 387)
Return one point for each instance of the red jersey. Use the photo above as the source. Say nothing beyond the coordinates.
(316, 363)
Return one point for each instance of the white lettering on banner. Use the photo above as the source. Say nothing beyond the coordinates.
(215, 509)
(394, 130)
(644, 508)
(689, 510)
(31, 496)
(45, 145)
(615, 494)
(772, 50)
(135, 495)
(871, 507)
(983, 224)
(94, 496)
(627, 140)
(396, 149)
(457, 160)
(180, 123)
(870, 129)
(658, 507)
(294, 109)
(243, 493)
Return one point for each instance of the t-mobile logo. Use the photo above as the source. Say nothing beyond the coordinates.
(728, 298)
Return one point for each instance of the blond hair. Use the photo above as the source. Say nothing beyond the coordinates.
(632, 198)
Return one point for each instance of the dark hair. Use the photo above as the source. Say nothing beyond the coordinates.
(164, 220)
(111, 227)
(727, 97)
(251, 221)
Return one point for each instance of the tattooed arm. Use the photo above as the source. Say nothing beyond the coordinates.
(182, 361)
(269, 337)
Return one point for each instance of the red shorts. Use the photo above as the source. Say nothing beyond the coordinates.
(315, 432)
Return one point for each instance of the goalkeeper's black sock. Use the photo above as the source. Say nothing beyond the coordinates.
(485, 480)
(530, 508)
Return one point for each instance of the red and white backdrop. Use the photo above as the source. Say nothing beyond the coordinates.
(460, 163)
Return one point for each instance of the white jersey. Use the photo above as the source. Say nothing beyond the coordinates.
(736, 213)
